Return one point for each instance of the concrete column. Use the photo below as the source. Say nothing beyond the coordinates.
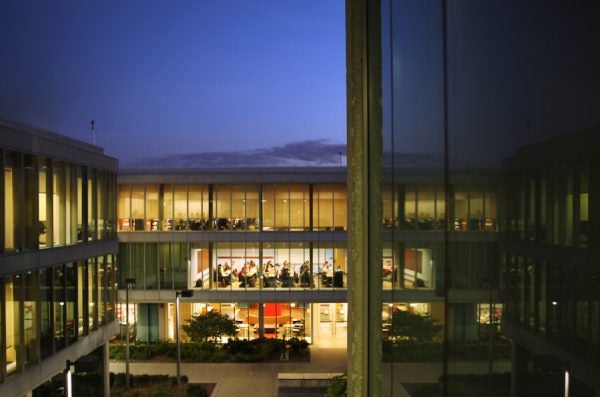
(363, 66)
(518, 369)
(106, 370)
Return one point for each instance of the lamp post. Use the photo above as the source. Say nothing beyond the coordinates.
(68, 380)
(186, 293)
(129, 283)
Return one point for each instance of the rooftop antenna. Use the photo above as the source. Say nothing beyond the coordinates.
(93, 123)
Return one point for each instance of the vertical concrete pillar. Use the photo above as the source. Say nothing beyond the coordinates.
(518, 369)
(364, 143)
(106, 370)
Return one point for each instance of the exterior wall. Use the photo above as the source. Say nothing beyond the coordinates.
(57, 254)
(198, 230)
(206, 231)
(550, 256)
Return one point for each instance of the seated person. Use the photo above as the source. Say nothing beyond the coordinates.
(305, 274)
(243, 274)
(327, 274)
(251, 275)
(285, 276)
(225, 275)
(269, 275)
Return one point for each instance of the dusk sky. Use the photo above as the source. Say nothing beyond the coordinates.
(240, 83)
(162, 78)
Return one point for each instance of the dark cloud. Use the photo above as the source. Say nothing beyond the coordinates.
(320, 152)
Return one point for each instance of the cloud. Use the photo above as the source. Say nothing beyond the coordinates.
(318, 152)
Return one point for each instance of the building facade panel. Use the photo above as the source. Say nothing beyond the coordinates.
(58, 246)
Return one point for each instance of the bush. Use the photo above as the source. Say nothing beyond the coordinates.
(235, 350)
(198, 351)
(337, 387)
(196, 391)
(428, 351)
(412, 351)
(298, 348)
(143, 381)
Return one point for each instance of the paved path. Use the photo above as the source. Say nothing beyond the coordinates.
(253, 379)
(260, 379)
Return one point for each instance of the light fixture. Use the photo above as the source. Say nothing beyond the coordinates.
(187, 293)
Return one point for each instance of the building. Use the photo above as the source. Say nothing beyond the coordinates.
(551, 266)
(268, 247)
(57, 256)
(265, 246)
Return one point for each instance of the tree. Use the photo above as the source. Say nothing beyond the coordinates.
(414, 326)
(210, 327)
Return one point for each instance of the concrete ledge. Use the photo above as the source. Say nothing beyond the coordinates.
(295, 379)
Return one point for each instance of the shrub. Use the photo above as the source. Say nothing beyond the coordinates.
(298, 348)
(143, 381)
(196, 391)
(198, 351)
(234, 350)
(337, 387)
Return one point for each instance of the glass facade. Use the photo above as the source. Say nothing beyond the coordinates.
(283, 320)
(44, 311)
(223, 207)
(273, 237)
(551, 283)
(43, 203)
(51, 211)
(233, 265)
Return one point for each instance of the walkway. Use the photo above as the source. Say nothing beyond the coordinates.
(253, 379)
(260, 379)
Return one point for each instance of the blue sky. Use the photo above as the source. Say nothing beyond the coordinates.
(245, 82)
(178, 77)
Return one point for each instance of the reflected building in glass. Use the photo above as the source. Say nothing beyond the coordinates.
(57, 257)
(473, 89)
(550, 269)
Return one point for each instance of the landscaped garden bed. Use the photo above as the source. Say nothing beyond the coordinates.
(234, 351)
(156, 386)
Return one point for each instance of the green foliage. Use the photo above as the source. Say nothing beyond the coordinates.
(416, 327)
(88, 384)
(337, 387)
(199, 351)
(468, 386)
(235, 350)
(210, 327)
(298, 348)
(430, 351)
(143, 381)
(255, 350)
(412, 351)
(196, 391)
